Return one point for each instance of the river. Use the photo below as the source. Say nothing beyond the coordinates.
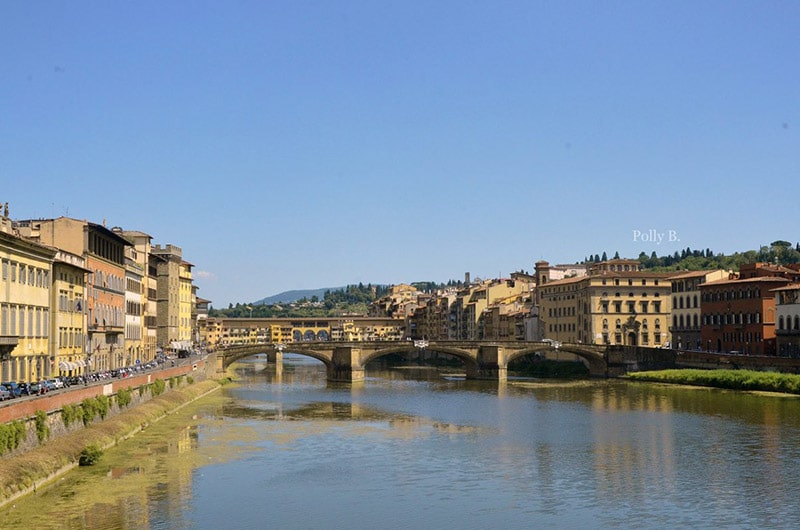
(410, 449)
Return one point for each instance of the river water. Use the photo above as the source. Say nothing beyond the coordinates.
(410, 449)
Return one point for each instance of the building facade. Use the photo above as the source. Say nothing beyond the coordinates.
(615, 303)
(686, 315)
(25, 314)
(787, 330)
(68, 300)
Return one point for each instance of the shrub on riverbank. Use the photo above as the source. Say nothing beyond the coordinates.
(730, 379)
(90, 455)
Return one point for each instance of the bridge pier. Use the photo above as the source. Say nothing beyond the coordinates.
(345, 366)
(491, 365)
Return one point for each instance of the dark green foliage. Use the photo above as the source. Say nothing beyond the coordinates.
(11, 435)
(42, 429)
(730, 379)
(90, 455)
(103, 406)
(70, 413)
(89, 410)
(353, 299)
(780, 252)
(157, 387)
(123, 397)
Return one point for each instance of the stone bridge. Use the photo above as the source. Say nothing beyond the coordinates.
(345, 361)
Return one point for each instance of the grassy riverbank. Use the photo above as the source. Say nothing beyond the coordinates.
(729, 379)
(21, 474)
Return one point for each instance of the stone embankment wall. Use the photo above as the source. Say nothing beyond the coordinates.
(52, 403)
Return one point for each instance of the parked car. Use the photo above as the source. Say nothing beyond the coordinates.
(4, 393)
(12, 387)
(55, 384)
(35, 388)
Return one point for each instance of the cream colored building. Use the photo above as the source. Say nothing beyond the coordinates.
(615, 303)
(187, 297)
(473, 300)
(68, 334)
(685, 324)
(25, 306)
(787, 318)
(167, 262)
(142, 244)
(135, 303)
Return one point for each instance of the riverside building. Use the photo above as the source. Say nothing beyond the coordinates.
(616, 302)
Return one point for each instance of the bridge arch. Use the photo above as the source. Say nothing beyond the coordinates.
(465, 356)
(241, 352)
(594, 360)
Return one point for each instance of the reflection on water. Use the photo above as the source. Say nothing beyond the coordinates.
(409, 448)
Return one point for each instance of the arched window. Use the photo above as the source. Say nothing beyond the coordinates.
(780, 322)
(695, 301)
(605, 324)
(675, 321)
(694, 321)
(658, 324)
(796, 322)
(644, 324)
(680, 322)
(619, 324)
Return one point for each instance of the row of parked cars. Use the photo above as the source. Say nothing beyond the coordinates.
(10, 389)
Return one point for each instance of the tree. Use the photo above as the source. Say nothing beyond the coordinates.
(604, 258)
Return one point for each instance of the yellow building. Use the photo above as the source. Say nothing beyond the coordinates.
(222, 331)
(615, 303)
(69, 323)
(472, 301)
(25, 281)
(186, 296)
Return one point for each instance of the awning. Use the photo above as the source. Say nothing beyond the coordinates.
(70, 365)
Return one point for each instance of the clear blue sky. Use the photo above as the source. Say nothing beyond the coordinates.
(299, 144)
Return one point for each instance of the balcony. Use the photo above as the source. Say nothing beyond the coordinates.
(7, 345)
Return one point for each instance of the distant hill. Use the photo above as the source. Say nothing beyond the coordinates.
(288, 297)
